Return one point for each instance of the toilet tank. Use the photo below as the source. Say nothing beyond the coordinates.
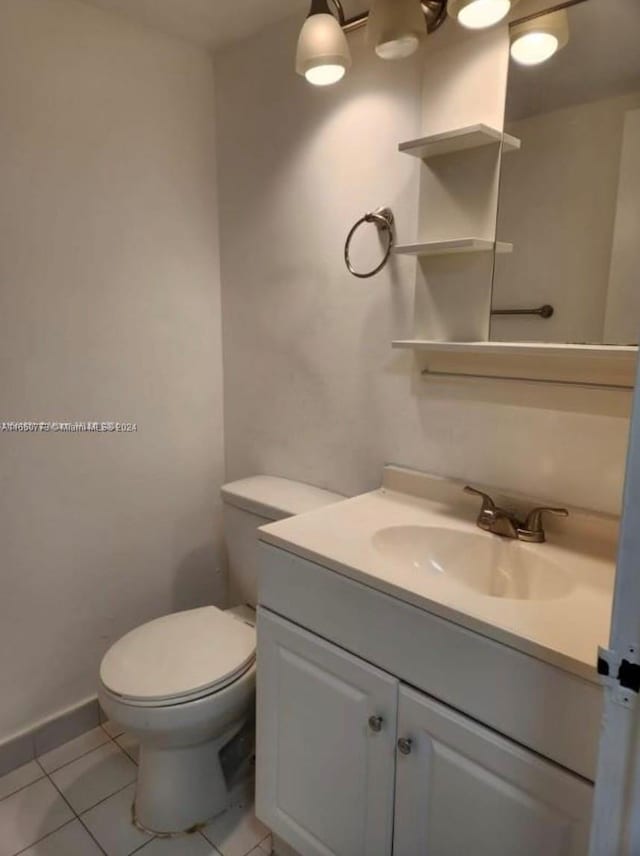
(253, 502)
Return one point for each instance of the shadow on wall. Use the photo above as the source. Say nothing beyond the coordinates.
(201, 579)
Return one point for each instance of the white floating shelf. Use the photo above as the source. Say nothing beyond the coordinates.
(459, 140)
(460, 245)
(626, 352)
(592, 366)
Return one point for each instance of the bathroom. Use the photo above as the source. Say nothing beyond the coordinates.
(177, 317)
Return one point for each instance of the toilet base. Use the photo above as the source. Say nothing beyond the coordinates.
(181, 789)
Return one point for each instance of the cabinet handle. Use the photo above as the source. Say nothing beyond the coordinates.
(376, 723)
(405, 745)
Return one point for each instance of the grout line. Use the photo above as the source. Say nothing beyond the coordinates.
(142, 846)
(44, 837)
(122, 749)
(219, 852)
(104, 799)
(77, 817)
(73, 811)
(77, 758)
(111, 736)
(24, 787)
(92, 836)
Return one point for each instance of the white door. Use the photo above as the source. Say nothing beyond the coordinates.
(462, 789)
(616, 815)
(326, 726)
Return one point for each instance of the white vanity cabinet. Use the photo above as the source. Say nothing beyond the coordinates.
(352, 762)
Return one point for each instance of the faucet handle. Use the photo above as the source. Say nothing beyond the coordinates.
(487, 503)
(488, 512)
(533, 530)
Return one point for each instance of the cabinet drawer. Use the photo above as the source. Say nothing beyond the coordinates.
(538, 705)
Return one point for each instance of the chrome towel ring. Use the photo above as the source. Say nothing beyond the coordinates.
(384, 220)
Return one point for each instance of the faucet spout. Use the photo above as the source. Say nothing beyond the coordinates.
(501, 522)
(504, 524)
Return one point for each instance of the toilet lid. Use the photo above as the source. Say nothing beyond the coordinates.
(184, 654)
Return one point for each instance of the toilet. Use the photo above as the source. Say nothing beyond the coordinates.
(184, 684)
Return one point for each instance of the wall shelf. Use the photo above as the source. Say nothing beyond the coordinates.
(595, 366)
(458, 140)
(627, 352)
(459, 245)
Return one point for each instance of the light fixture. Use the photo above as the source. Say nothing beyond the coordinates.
(323, 55)
(536, 40)
(396, 28)
(478, 14)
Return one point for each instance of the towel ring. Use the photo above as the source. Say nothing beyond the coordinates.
(384, 220)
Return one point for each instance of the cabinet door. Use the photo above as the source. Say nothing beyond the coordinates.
(462, 789)
(325, 773)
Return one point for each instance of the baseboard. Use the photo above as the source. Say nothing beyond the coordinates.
(49, 734)
(281, 848)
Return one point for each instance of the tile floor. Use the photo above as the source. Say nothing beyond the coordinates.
(76, 801)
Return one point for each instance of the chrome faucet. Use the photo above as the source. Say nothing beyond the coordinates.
(499, 521)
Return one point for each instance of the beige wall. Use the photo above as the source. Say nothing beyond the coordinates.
(109, 310)
(313, 390)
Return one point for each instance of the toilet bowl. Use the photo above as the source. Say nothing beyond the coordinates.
(184, 695)
(184, 684)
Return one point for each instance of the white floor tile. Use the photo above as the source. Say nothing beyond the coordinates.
(95, 776)
(185, 845)
(68, 752)
(129, 745)
(29, 815)
(112, 826)
(237, 831)
(20, 778)
(112, 729)
(71, 840)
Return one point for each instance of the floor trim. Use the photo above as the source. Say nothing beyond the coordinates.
(47, 735)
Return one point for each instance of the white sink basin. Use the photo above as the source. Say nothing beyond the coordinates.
(486, 564)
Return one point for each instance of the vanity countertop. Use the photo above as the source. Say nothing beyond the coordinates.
(564, 629)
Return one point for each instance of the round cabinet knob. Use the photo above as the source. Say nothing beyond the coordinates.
(405, 745)
(375, 724)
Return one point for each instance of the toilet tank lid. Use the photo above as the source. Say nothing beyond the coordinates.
(275, 498)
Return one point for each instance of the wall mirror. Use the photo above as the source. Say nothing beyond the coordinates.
(569, 210)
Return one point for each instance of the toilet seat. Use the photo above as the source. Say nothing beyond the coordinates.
(179, 658)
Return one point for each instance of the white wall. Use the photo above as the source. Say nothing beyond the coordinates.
(313, 390)
(109, 310)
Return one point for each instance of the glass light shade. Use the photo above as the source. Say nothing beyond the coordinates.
(323, 55)
(325, 75)
(538, 39)
(396, 28)
(478, 14)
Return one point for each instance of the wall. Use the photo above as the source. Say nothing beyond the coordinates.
(109, 310)
(313, 390)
